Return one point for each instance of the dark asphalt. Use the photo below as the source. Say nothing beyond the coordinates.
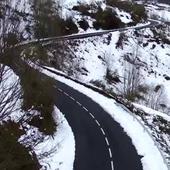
(91, 148)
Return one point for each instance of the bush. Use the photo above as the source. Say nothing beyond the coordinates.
(38, 95)
(11, 39)
(83, 8)
(138, 13)
(14, 156)
(112, 77)
(98, 83)
(48, 22)
(35, 53)
(136, 10)
(83, 24)
(122, 38)
(106, 20)
(68, 26)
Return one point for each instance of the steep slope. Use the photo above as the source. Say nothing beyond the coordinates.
(133, 64)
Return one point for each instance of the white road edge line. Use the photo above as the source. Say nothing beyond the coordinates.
(66, 93)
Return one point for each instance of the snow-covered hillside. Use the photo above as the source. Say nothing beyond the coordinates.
(133, 65)
(159, 11)
(119, 61)
(144, 130)
(51, 151)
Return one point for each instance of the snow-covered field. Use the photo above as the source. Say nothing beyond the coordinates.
(141, 139)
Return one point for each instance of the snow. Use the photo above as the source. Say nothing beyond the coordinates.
(141, 139)
(124, 16)
(152, 112)
(22, 5)
(62, 145)
(9, 95)
(99, 54)
(162, 12)
(71, 3)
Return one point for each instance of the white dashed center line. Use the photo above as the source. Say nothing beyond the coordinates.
(96, 121)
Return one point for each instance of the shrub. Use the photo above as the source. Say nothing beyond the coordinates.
(98, 83)
(11, 39)
(14, 156)
(38, 95)
(68, 26)
(112, 77)
(35, 53)
(138, 13)
(83, 24)
(83, 8)
(106, 20)
(121, 39)
(136, 10)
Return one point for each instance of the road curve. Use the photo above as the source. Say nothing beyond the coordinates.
(101, 143)
(51, 40)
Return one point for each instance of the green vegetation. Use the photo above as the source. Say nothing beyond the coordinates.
(37, 89)
(105, 19)
(48, 22)
(35, 53)
(83, 24)
(83, 9)
(38, 95)
(14, 156)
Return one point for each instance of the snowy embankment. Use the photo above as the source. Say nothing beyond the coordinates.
(152, 112)
(61, 145)
(53, 152)
(141, 139)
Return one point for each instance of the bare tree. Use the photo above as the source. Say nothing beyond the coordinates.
(132, 77)
(9, 93)
(156, 98)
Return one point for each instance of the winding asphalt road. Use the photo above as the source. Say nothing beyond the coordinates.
(101, 143)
